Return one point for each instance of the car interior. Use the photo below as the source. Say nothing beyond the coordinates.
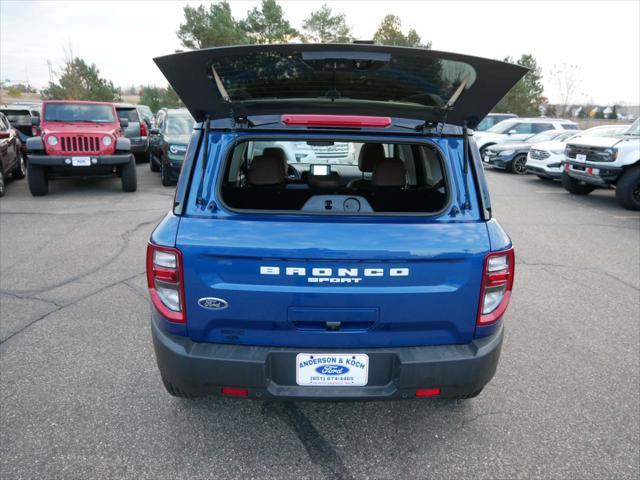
(335, 177)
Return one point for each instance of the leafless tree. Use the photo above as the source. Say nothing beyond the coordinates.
(566, 79)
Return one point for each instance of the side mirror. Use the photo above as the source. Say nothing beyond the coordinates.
(35, 121)
(155, 131)
(124, 122)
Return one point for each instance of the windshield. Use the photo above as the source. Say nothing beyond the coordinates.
(78, 112)
(634, 129)
(179, 125)
(18, 117)
(503, 126)
(545, 136)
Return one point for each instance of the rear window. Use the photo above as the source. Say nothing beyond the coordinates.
(78, 112)
(18, 117)
(335, 177)
(130, 114)
(570, 126)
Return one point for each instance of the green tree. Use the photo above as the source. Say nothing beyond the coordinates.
(268, 25)
(322, 26)
(212, 27)
(525, 97)
(81, 81)
(170, 98)
(389, 32)
(152, 96)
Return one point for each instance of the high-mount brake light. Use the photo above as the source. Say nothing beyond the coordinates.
(497, 283)
(165, 281)
(336, 121)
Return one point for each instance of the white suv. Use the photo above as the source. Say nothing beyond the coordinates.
(592, 162)
(519, 129)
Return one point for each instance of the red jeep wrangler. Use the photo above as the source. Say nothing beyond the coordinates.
(79, 139)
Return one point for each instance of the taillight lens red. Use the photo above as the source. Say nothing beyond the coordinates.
(35, 131)
(428, 392)
(235, 392)
(497, 283)
(143, 129)
(165, 281)
(336, 121)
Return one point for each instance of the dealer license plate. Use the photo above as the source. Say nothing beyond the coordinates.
(329, 369)
(81, 161)
(581, 157)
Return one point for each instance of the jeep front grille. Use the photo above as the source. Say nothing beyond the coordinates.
(79, 144)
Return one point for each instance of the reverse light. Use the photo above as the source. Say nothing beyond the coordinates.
(336, 121)
(165, 281)
(497, 283)
(106, 140)
(52, 140)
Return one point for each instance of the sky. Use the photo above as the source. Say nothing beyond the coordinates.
(601, 38)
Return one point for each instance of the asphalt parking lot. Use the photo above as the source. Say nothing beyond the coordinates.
(81, 396)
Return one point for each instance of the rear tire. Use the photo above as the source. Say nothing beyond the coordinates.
(175, 391)
(518, 165)
(576, 187)
(37, 180)
(129, 177)
(628, 189)
(21, 169)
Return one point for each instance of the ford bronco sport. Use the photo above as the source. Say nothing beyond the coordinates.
(79, 139)
(593, 162)
(376, 277)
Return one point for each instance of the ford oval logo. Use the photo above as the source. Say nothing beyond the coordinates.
(332, 369)
(212, 303)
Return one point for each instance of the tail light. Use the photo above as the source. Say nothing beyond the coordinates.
(235, 392)
(428, 392)
(143, 129)
(35, 131)
(165, 281)
(497, 283)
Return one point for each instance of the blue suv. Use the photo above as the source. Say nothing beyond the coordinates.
(331, 235)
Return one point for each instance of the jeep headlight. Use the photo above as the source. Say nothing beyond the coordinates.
(504, 153)
(52, 140)
(106, 140)
(177, 149)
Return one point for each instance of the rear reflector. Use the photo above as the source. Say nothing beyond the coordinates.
(428, 392)
(235, 392)
(336, 121)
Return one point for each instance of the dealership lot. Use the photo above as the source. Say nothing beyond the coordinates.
(81, 396)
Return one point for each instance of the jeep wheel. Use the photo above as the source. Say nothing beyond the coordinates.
(37, 180)
(21, 169)
(129, 177)
(153, 163)
(1, 182)
(519, 165)
(576, 187)
(165, 175)
(628, 189)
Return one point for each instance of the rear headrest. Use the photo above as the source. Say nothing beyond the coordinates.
(389, 172)
(270, 168)
(370, 153)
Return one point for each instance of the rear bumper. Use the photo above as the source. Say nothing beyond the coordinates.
(96, 160)
(139, 144)
(269, 372)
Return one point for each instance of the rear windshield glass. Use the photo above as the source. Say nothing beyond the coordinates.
(18, 117)
(130, 114)
(379, 76)
(78, 112)
(335, 177)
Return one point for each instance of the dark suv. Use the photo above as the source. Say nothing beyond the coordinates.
(374, 276)
(169, 142)
(20, 116)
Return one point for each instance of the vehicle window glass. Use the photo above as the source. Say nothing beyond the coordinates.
(544, 136)
(130, 114)
(541, 127)
(485, 124)
(570, 126)
(18, 117)
(3, 124)
(503, 127)
(634, 129)
(178, 125)
(78, 112)
(313, 176)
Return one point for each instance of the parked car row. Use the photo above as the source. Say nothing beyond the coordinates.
(606, 156)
